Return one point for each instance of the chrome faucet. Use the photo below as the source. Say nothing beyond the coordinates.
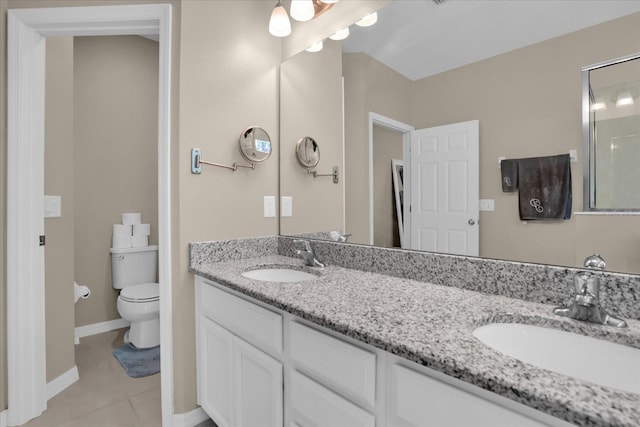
(586, 298)
(308, 255)
(337, 236)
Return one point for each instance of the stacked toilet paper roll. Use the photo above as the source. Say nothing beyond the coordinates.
(122, 236)
(141, 234)
(131, 233)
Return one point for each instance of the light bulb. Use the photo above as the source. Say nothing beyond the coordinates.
(624, 99)
(279, 24)
(340, 34)
(302, 10)
(598, 104)
(368, 20)
(316, 47)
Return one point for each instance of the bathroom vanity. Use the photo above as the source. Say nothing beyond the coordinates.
(356, 348)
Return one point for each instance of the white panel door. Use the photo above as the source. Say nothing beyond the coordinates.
(258, 387)
(445, 189)
(215, 358)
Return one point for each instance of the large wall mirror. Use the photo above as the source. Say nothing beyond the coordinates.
(527, 100)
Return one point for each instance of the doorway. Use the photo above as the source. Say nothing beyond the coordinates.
(451, 153)
(27, 33)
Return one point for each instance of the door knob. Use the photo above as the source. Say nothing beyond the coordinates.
(472, 222)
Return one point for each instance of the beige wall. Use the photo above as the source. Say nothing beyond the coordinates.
(368, 86)
(58, 181)
(387, 145)
(310, 96)
(116, 147)
(529, 104)
(228, 81)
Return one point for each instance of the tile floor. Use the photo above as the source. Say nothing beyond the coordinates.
(104, 396)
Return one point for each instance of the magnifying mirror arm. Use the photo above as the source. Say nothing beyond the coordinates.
(196, 161)
(334, 174)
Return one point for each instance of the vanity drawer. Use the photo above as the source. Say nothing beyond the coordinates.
(255, 324)
(341, 366)
(315, 405)
(418, 400)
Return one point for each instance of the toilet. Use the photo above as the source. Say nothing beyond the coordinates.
(134, 272)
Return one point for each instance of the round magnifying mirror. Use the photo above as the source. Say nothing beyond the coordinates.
(308, 152)
(255, 144)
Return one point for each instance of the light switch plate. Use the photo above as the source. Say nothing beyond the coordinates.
(286, 206)
(487, 205)
(269, 206)
(52, 206)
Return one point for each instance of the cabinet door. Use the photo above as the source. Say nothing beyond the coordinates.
(215, 351)
(258, 387)
(416, 399)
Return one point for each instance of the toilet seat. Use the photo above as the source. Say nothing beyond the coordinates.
(146, 292)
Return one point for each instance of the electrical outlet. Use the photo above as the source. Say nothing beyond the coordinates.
(269, 206)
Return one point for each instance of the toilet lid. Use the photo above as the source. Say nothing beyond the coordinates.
(141, 293)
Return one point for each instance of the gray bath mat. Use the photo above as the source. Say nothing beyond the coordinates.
(136, 362)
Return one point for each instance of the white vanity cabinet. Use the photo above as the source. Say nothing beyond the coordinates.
(238, 383)
(259, 366)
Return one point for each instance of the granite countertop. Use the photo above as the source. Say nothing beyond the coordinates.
(432, 325)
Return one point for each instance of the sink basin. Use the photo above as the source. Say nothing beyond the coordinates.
(282, 275)
(598, 361)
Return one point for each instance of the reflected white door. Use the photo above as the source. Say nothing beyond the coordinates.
(445, 189)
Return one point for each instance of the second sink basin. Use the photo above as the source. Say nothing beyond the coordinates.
(601, 362)
(281, 275)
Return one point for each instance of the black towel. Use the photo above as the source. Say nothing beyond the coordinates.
(545, 187)
(509, 171)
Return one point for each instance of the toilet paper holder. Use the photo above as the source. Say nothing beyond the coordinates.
(80, 291)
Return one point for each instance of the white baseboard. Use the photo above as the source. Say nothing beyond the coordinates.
(190, 419)
(61, 382)
(98, 328)
(3, 418)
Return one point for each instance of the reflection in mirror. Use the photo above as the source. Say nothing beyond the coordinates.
(255, 144)
(311, 104)
(527, 103)
(611, 108)
(308, 152)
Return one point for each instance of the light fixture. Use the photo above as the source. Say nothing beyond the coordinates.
(340, 34)
(368, 20)
(329, 1)
(302, 10)
(598, 104)
(316, 47)
(279, 24)
(624, 99)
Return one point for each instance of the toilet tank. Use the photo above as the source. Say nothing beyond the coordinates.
(132, 266)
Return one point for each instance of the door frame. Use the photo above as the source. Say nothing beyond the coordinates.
(27, 32)
(405, 130)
